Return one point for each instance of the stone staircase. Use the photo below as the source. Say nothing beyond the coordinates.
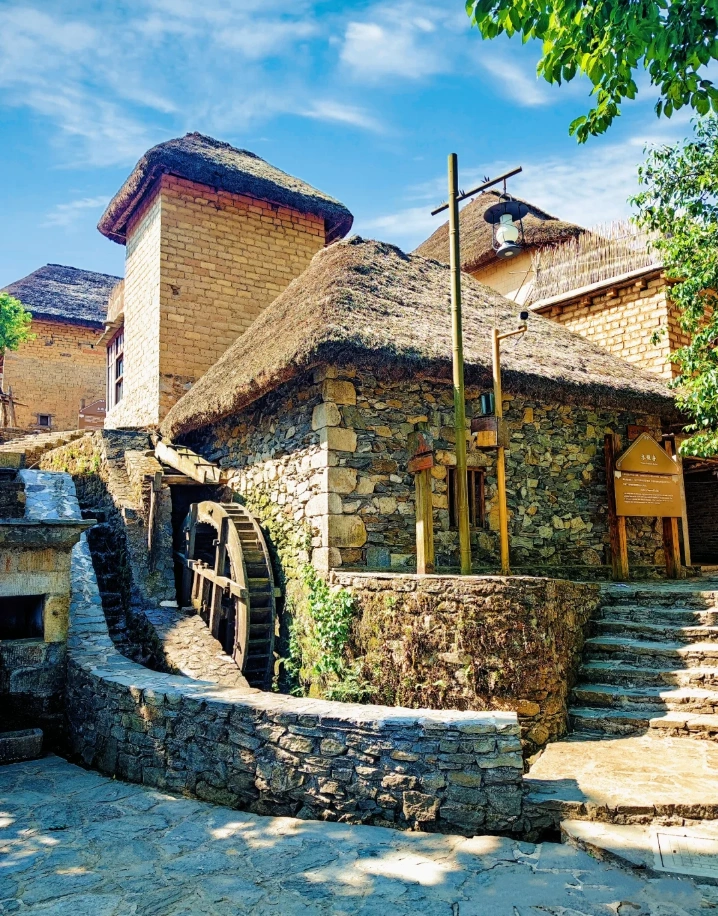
(35, 446)
(651, 664)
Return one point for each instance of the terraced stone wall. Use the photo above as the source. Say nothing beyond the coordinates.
(471, 642)
(458, 772)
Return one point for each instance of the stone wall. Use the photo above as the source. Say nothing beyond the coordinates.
(457, 772)
(201, 265)
(472, 642)
(55, 373)
(623, 319)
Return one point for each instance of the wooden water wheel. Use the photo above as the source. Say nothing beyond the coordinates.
(227, 579)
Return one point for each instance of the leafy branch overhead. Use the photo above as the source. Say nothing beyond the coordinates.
(14, 323)
(679, 202)
(609, 41)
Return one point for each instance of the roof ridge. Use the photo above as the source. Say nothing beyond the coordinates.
(220, 144)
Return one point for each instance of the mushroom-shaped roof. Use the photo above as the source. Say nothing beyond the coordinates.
(67, 294)
(218, 165)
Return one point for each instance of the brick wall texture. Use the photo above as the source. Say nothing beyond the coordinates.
(512, 278)
(55, 372)
(201, 265)
(623, 320)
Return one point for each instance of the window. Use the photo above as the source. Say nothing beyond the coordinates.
(477, 505)
(115, 368)
(44, 420)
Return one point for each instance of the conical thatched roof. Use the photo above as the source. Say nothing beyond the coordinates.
(540, 228)
(369, 303)
(66, 294)
(219, 165)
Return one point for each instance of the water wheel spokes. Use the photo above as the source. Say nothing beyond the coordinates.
(227, 579)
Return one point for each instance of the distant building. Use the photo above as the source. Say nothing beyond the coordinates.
(62, 371)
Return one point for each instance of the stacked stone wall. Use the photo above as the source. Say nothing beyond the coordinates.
(469, 642)
(54, 373)
(456, 772)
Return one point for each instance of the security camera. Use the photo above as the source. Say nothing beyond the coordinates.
(524, 316)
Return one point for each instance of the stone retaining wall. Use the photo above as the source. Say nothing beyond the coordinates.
(433, 770)
(473, 642)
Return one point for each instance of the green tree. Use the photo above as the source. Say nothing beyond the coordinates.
(14, 323)
(678, 201)
(608, 41)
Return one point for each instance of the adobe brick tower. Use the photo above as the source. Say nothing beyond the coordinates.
(213, 234)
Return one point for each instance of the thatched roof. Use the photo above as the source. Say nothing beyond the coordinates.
(369, 303)
(540, 228)
(67, 294)
(221, 166)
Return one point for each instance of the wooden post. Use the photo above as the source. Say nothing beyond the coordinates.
(154, 490)
(670, 446)
(424, 523)
(616, 523)
(671, 542)
(187, 573)
(462, 487)
(501, 460)
(220, 556)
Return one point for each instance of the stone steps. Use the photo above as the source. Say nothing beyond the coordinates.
(609, 672)
(639, 699)
(659, 595)
(658, 615)
(619, 722)
(34, 447)
(656, 631)
(652, 654)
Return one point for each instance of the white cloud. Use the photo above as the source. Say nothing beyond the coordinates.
(511, 80)
(394, 46)
(342, 114)
(65, 215)
(411, 226)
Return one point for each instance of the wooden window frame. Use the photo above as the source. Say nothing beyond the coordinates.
(115, 368)
(476, 478)
(47, 425)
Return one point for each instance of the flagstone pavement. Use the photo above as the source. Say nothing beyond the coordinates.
(74, 843)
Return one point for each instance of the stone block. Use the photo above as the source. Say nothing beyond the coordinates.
(326, 558)
(346, 531)
(325, 415)
(338, 438)
(324, 504)
(339, 391)
(419, 807)
(341, 480)
(378, 558)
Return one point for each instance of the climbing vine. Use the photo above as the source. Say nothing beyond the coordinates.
(319, 635)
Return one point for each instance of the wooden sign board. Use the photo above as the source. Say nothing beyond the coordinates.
(92, 416)
(648, 495)
(646, 456)
(489, 432)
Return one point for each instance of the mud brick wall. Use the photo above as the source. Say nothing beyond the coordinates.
(54, 373)
(201, 265)
(470, 642)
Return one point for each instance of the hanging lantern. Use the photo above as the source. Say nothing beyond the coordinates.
(506, 218)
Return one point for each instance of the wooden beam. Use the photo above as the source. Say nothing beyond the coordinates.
(669, 443)
(180, 480)
(424, 522)
(616, 523)
(191, 464)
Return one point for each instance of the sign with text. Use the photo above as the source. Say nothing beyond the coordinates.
(651, 495)
(646, 456)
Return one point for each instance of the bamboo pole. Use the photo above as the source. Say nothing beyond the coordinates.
(500, 459)
(462, 492)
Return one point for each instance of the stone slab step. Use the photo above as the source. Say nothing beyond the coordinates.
(661, 595)
(656, 631)
(652, 654)
(655, 614)
(609, 672)
(681, 699)
(620, 722)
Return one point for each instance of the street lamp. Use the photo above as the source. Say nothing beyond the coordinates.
(506, 218)
(462, 489)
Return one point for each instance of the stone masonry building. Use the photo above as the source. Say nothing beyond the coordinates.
(62, 370)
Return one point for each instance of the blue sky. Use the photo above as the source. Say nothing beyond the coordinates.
(363, 100)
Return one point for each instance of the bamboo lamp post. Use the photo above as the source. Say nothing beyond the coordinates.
(462, 490)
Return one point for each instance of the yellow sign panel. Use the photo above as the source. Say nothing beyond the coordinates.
(646, 456)
(653, 495)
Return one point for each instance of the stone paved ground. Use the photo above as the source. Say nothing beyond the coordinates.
(73, 843)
